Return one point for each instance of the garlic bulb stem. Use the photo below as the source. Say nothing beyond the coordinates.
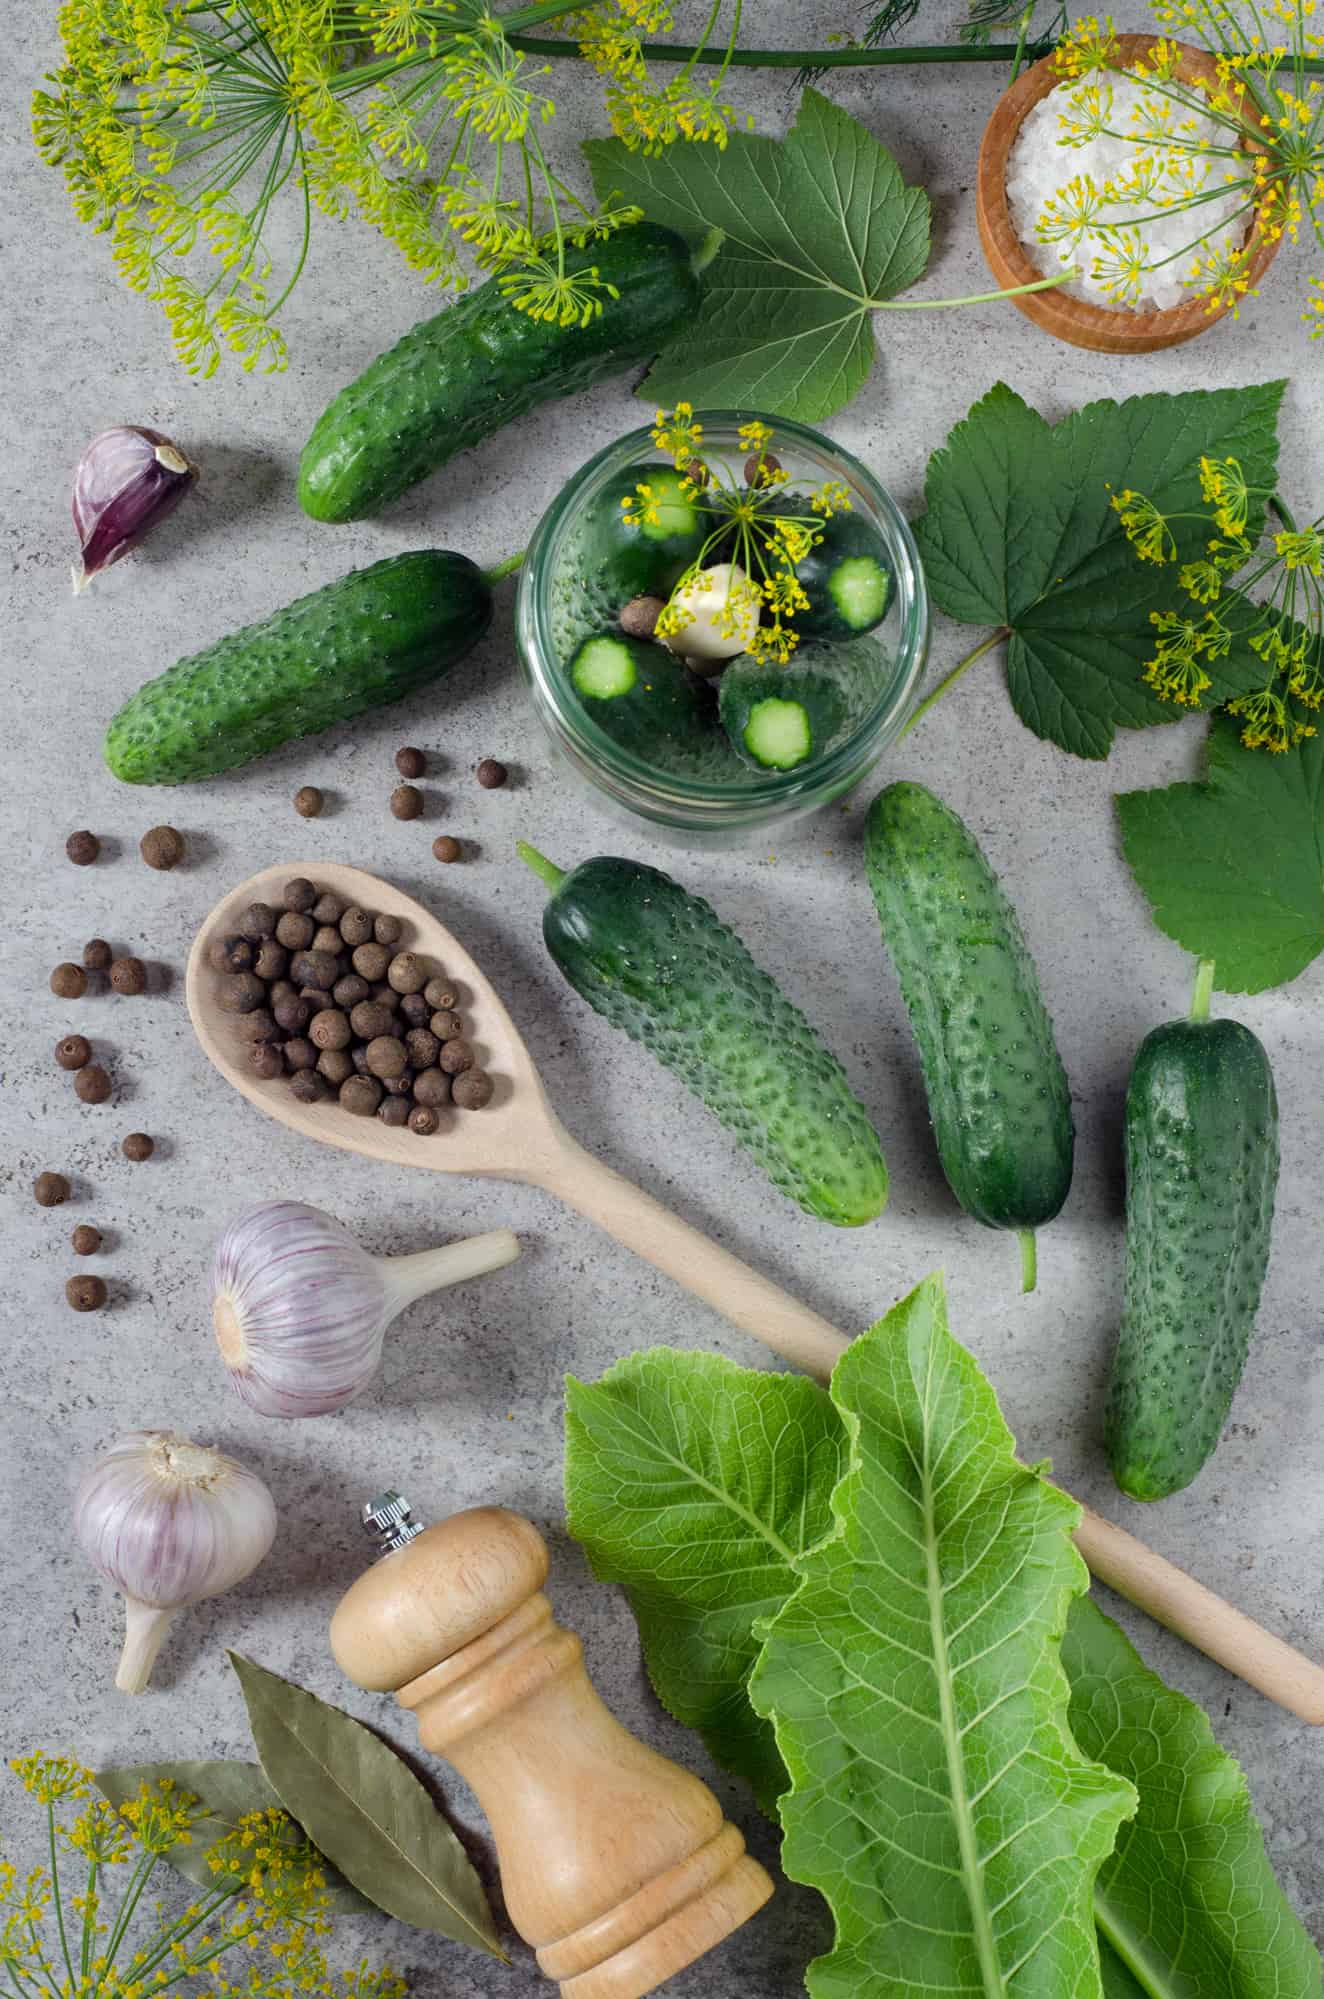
(144, 1628)
(407, 1278)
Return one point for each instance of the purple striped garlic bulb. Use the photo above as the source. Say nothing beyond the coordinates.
(168, 1522)
(301, 1309)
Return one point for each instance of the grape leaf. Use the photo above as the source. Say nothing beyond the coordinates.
(818, 229)
(697, 1484)
(1188, 1901)
(1020, 533)
(913, 1680)
(1234, 867)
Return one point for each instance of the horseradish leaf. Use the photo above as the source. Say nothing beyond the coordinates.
(913, 1680)
(1234, 867)
(1021, 533)
(817, 229)
(697, 1484)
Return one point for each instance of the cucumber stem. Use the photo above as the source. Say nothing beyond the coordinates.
(1029, 1259)
(1204, 988)
(545, 870)
(506, 567)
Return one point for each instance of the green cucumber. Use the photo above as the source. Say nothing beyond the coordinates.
(1201, 1173)
(457, 378)
(372, 636)
(661, 965)
(998, 1094)
(779, 717)
(619, 559)
(847, 579)
(641, 696)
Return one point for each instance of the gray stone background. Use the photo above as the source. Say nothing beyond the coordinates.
(468, 1407)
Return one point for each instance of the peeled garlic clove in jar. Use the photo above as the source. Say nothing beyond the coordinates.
(720, 612)
(127, 480)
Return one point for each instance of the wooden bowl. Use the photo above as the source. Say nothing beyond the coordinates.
(1103, 328)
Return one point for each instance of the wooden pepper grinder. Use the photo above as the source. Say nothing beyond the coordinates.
(617, 1865)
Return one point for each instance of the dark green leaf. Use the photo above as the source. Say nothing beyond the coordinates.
(697, 1484)
(818, 229)
(363, 1807)
(1234, 867)
(229, 1789)
(1020, 532)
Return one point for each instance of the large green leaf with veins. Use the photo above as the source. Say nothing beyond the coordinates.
(914, 1682)
(697, 1484)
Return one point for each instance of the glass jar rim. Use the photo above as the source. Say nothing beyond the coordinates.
(640, 781)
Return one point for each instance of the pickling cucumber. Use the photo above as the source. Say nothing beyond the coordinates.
(661, 965)
(847, 579)
(779, 717)
(372, 636)
(457, 378)
(998, 1094)
(1201, 1174)
(642, 697)
(619, 560)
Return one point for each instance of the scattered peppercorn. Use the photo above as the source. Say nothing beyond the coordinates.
(308, 801)
(68, 981)
(491, 774)
(129, 976)
(86, 1240)
(86, 1294)
(410, 762)
(137, 1146)
(82, 849)
(92, 1084)
(407, 801)
(162, 847)
(49, 1189)
(472, 1090)
(74, 1052)
(446, 848)
(96, 955)
(639, 618)
(423, 1120)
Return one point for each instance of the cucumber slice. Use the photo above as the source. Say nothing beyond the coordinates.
(847, 579)
(779, 717)
(643, 698)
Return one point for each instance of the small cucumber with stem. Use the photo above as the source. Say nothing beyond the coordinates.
(998, 1094)
(1201, 1176)
(660, 964)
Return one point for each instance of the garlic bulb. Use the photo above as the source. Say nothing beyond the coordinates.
(301, 1311)
(720, 607)
(128, 479)
(169, 1523)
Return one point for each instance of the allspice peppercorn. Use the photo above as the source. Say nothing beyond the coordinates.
(92, 1084)
(446, 848)
(129, 976)
(423, 1120)
(308, 1086)
(49, 1189)
(74, 1052)
(370, 961)
(433, 1087)
(257, 921)
(360, 1095)
(406, 801)
(299, 894)
(230, 954)
(240, 992)
(472, 1090)
(272, 960)
(308, 801)
(410, 762)
(456, 1056)
(86, 1240)
(295, 929)
(406, 973)
(82, 848)
(394, 1110)
(137, 1146)
(336, 1065)
(266, 1061)
(491, 774)
(162, 847)
(440, 996)
(387, 929)
(68, 981)
(330, 1029)
(97, 955)
(86, 1294)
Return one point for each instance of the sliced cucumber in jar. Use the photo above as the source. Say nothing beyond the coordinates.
(780, 717)
(642, 698)
(847, 579)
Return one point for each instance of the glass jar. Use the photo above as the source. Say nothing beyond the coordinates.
(694, 811)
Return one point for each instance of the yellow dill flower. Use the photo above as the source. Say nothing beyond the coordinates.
(832, 497)
(1121, 264)
(1088, 45)
(1266, 723)
(1175, 672)
(1202, 580)
(1145, 527)
(1301, 550)
(52, 1779)
(677, 433)
(1068, 214)
(1223, 487)
(639, 509)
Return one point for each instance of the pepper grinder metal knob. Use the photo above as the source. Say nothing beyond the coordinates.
(617, 1865)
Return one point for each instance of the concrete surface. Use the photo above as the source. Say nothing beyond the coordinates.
(468, 1407)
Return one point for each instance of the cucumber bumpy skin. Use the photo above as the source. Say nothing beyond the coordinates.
(370, 637)
(1201, 1173)
(661, 965)
(460, 376)
(998, 1094)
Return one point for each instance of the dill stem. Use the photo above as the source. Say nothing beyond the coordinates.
(846, 58)
(1203, 992)
(506, 567)
(962, 666)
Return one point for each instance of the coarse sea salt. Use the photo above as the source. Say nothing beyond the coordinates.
(1040, 166)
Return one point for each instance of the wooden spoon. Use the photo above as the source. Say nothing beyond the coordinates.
(519, 1137)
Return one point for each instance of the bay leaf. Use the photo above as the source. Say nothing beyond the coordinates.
(229, 1788)
(363, 1807)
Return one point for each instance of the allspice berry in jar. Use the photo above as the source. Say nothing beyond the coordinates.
(129, 976)
(73, 1052)
(50, 1189)
(68, 981)
(86, 1294)
(162, 847)
(92, 1084)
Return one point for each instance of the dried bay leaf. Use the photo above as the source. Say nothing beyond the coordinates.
(229, 1788)
(363, 1807)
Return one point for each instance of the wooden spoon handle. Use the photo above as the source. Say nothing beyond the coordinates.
(810, 1343)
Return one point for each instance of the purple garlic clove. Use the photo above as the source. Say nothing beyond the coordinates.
(128, 479)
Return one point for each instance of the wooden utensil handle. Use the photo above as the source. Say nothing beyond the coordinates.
(811, 1344)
